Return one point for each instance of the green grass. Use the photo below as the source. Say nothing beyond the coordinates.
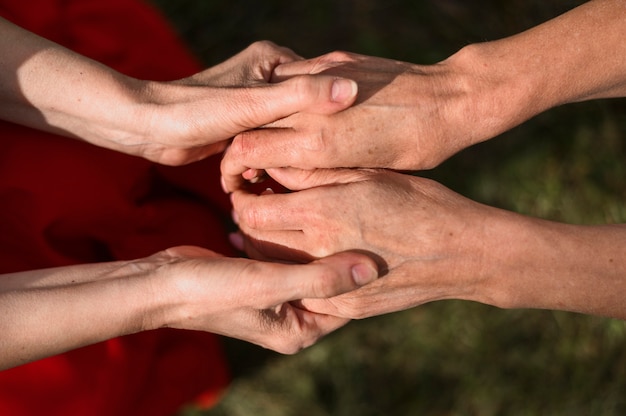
(450, 357)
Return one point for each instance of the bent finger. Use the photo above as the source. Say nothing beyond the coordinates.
(300, 179)
(312, 66)
(263, 149)
(274, 212)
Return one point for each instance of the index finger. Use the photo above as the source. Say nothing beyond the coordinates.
(272, 148)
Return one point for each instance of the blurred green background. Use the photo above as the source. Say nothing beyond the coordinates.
(450, 357)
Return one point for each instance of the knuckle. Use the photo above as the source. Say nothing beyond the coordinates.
(252, 218)
(261, 45)
(288, 347)
(242, 145)
(173, 157)
(327, 284)
(356, 312)
(315, 142)
(338, 56)
(302, 89)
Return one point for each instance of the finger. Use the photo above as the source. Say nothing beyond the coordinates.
(256, 150)
(274, 212)
(312, 66)
(317, 325)
(275, 247)
(263, 149)
(292, 329)
(312, 94)
(300, 179)
(327, 277)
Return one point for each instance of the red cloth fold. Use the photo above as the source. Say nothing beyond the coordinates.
(64, 202)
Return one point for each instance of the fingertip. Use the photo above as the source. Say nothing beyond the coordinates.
(343, 91)
(364, 273)
(236, 239)
(361, 268)
(224, 185)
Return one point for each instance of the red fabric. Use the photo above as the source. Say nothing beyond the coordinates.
(66, 202)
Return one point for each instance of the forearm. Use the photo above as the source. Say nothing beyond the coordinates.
(50, 311)
(532, 263)
(580, 55)
(46, 86)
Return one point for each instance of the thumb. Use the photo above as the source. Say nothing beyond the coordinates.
(329, 276)
(298, 179)
(318, 94)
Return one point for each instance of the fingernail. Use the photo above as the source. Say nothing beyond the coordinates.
(250, 174)
(268, 191)
(223, 183)
(236, 239)
(343, 90)
(364, 274)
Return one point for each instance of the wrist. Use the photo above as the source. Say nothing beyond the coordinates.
(496, 93)
(163, 293)
(539, 264)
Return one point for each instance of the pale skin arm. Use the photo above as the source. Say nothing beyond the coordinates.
(46, 312)
(413, 117)
(435, 245)
(48, 87)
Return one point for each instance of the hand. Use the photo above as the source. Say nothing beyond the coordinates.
(426, 237)
(406, 117)
(250, 300)
(50, 311)
(196, 116)
(167, 122)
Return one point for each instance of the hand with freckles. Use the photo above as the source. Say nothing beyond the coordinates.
(422, 234)
(433, 244)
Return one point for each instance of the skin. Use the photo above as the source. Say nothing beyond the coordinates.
(413, 117)
(48, 87)
(434, 243)
(46, 312)
(183, 287)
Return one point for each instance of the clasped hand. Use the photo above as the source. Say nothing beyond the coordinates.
(195, 117)
(406, 117)
(425, 236)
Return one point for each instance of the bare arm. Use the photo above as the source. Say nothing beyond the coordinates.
(48, 87)
(413, 117)
(46, 312)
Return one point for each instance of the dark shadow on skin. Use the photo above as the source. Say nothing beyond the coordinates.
(246, 359)
(13, 84)
(369, 79)
(267, 251)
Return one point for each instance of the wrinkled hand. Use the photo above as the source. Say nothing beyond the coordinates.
(406, 117)
(196, 116)
(249, 300)
(425, 235)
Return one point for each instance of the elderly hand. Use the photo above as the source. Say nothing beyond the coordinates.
(428, 238)
(434, 244)
(406, 116)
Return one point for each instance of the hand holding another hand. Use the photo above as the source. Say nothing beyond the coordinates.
(428, 238)
(251, 300)
(196, 117)
(406, 117)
